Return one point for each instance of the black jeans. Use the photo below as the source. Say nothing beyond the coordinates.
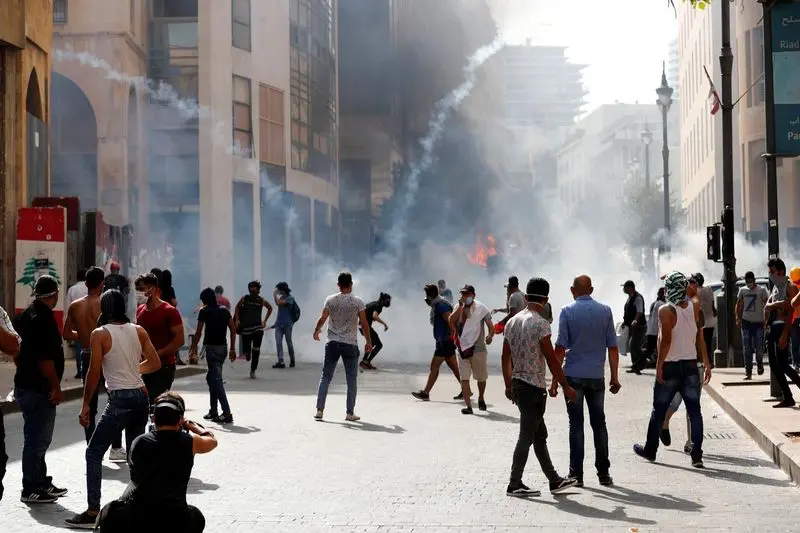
(251, 345)
(779, 361)
(531, 403)
(652, 346)
(159, 382)
(123, 517)
(593, 391)
(708, 338)
(3, 455)
(638, 357)
(376, 345)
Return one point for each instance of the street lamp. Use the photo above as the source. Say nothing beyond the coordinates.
(647, 138)
(664, 101)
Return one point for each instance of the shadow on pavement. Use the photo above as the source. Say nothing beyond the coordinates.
(563, 503)
(120, 473)
(500, 417)
(745, 462)
(728, 475)
(241, 430)
(639, 499)
(197, 486)
(50, 514)
(366, 426)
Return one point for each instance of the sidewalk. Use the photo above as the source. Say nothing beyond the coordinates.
(776, 431)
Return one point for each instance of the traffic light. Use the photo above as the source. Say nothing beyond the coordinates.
(713, 243)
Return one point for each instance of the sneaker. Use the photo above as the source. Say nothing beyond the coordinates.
(352, 418)
(557, 487)
(52, 490)
(697, 462)
(459, 396)
(784, 403)
(760, 369)
(688, 447)
(37, 496)
(252, 374)
(117, 455)
(82, 521)
(370, 366)
(605, 480)
(638, 449)
(363, 365)
(318, 416)
(578, 478)
(279, 364)
(291, 364)
(211, 415)
(481, 405)
(748, 376)
(224, 419)
(666, 438)
(421, 395)
(519, 490)
(466, 411)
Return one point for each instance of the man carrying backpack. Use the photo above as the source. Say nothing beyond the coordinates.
(288, 314)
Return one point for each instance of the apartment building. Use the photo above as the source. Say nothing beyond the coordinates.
(25, 44)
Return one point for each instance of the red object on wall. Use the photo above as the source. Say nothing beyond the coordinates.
(71, 203)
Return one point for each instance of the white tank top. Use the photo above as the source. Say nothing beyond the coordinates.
(121, 363)
(684, 334)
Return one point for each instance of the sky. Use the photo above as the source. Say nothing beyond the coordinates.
(622, 42)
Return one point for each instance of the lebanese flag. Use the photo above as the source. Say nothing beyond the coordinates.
(713, 95)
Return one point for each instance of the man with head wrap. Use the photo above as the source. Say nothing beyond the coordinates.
(679, 343)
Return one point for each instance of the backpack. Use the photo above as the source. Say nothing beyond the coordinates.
(294, 311)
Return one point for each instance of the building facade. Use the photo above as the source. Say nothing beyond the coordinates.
(699, 43)
(752, 136)
(25, 44)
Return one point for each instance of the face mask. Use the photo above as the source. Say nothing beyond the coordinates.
(141, 297)
(468, 301)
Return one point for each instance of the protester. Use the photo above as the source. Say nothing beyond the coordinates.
(680, 342)
(221, 299)
(117, 281)
(709, 306)
(515, 300)
(780, 307)
(164, 326)
(750, 304)
(217, 322)
(471, 318)
(9, 345)
(37, 388)
(250, 325)
(122, 353)
(284, 322)
(345, 311)
(444, 292)
(444, 334)
(75, 292)
(633, 319)
(527, 352)
(585, 333)
(794, 336)
(161, 465)
(166, 288)
(373, 312)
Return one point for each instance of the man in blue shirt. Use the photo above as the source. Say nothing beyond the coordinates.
(585, 333)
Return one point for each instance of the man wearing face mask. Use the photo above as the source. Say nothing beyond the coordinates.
(164, 325)
(472, 319)
(780, 308)
(750, 304)
(250, 325)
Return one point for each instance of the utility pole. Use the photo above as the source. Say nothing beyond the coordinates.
(728, 253)
(647, 138)
(773, 246)
(664, 102)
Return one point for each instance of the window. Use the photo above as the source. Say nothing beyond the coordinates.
(60, 11)
(175, 8)
(241, 24)
(759, 90)
(272, 146)
(242, 117)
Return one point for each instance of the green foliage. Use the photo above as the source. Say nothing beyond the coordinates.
(697, 4)
(643, 209)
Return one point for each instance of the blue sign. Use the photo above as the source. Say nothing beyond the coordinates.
(785, 21)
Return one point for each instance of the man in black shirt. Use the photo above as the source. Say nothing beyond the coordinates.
(373, 312)
(37, 388)
(633, 318)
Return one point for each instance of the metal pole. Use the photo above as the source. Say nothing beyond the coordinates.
(728, 252)
(665, 153)
(647, 165)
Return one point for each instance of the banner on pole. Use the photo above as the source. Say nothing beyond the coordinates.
(785, 22)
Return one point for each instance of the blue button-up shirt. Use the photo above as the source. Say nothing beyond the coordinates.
(586, 331)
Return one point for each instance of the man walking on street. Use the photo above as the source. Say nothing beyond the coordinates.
(585, 333)
(780, 308)
(750, 304)
(9, 345)
(345, 311)
(527, 352)
(709, 307)
(472, 319)
(284, 323)
(679, 343)
(37, 388)
(633, 319)
(250, 325)
(75, 292)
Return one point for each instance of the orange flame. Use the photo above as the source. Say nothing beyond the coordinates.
(484, 249)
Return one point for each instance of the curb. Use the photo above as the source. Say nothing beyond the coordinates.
(772, 442)
(76, 392)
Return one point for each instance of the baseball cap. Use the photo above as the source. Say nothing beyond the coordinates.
(629, 283)
(45, 286)
(467, 289)
(513, 281)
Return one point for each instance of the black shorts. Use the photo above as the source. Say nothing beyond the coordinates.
(445, 349)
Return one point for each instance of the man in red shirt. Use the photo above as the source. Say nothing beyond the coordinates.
(164, 325)
(222, 301)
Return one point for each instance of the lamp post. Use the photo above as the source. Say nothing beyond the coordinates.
(664, 101)
(647, 138)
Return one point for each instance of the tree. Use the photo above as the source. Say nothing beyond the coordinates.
(643, 207)
(697, 4)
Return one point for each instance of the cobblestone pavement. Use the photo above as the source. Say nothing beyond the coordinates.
(413, 466)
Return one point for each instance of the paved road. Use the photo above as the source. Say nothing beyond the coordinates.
(425, 467)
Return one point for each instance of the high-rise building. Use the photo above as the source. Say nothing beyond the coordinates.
(699, 42)
(25, 44)
(238, 177)
(752, 135)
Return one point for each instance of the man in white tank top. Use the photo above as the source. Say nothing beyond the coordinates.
(121, 352)
(679, 343)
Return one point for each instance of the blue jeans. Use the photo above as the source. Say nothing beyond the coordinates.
(127, 409)
(678, 399)
(593, 391)
(679, 377)
(349, 354)
(215, 357)
(281, 331)
(753, 343)
(39, 419)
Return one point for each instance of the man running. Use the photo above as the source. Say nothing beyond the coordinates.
(284, 323)
(527, 352)
(345, 311)
(679, 343)
(750, 305)
(444, 334)
(121, 352)
(250, 325)
(471, 318)
(164, 325)
(373, 312)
